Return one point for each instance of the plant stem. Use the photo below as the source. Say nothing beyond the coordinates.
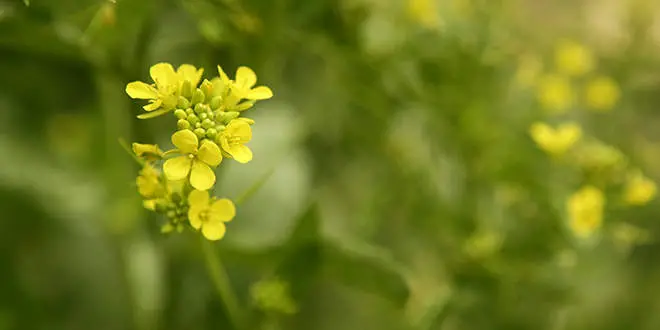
(221, 283)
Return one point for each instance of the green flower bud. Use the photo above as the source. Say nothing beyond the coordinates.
(216, 102)
(198, 96)
(171, 214)
(180, 228)
(211, 133)
(199, 108)
(207, 88)
(220, 128)
(176, 198)
(207, 123)
(200, 132)
(226, 117)
(193, 119)
(187, 89)
(189, 111)
(198, 124)
(203, 116)
(183, 102)
(183, 124)
(180, 113)
(166, 228)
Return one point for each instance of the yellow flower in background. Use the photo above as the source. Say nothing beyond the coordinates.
(196, 160)
(233, 140)
(639, 189)
(209, 215)
(555, 141)
(148, 183)
(425, 13)
(585, 211)
(148, 152)
(529, 70)
(163, 93)
(555, 93)
(602, 93)
(573, 59)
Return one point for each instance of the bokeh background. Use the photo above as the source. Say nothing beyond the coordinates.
(401, 182)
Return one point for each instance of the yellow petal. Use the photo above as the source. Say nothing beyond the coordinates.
(201, 176)
(222, 210)
(240, 153)
(245, 77)
(163, 75)
(140, 90)
(223, 76)
(194, 216)
(259, 93)
(177, 168)
(147, 150)
(149, 204)
(190, 73)
(213, 231)
(198, 198)
(153, 114)
(247, 120)
(209, 153)
(239, 128)
(186, 141)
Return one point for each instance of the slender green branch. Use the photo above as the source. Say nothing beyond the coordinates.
(221, 283)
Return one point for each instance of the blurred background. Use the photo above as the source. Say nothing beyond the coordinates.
(426, 164)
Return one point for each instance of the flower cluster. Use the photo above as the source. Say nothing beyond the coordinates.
(602, 165)
(209, 128)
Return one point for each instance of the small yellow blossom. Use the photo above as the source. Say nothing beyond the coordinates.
(585, 211)
(602, 93)
(596, 155)
(529, 70)
(149, 152)
(196, 160)
(555, 93)
(161, 94)
(639, 189)
(573, 59)
(187, 72)
(425, 13)
(555, 141)
(209, 215)
(233, 140)
(243, 86)
(148, 183)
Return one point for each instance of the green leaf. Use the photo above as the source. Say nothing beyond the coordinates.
(365, 268)
(153, 114)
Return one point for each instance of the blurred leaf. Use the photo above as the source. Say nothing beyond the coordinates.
(367, 269)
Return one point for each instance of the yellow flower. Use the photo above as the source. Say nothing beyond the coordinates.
(597, 155)
(424, 12)
(190, 73)
(148, 183)
(602, 93)
(161, 94)
(639, 189)
(243, 86)
(209, 215)
(555, 93)
(149, 152)
(573, 59)
(585, 211)
(555, 141)
(197, 160)
(233, 140)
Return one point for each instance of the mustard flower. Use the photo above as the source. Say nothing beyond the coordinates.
(602, 93)
(555, 93)
(639, 189)
(148, 152)
(148, 183)
(233, 139)
(209, 215)
(161, 94)
(424, 12)
(573, 59)
(196, 160)
(243, 84)
(555, 141)
(585, 211)
(190, 73)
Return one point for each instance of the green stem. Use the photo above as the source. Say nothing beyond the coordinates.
(221, 283)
